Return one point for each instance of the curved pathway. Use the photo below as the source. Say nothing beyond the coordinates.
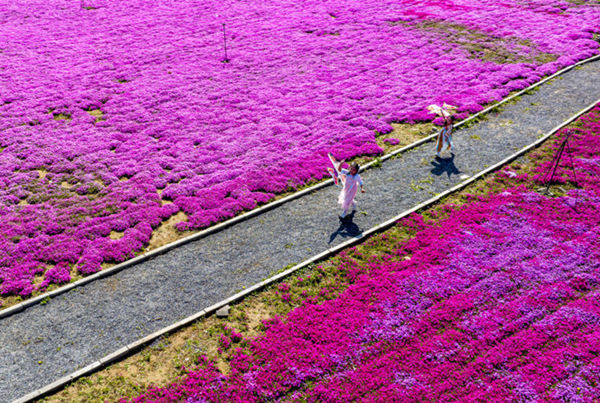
(45, 342)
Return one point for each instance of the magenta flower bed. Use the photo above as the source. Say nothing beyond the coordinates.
(499, 301)
(105, 112)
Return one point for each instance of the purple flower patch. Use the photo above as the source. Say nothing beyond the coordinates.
(111, 111)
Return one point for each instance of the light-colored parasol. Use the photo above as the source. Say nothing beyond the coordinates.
(444, 111)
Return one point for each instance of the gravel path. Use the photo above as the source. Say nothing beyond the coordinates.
(45, 342)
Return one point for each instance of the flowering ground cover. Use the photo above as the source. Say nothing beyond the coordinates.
(493, 297)
(119, 115)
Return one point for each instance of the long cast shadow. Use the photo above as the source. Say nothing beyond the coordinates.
(441, 165)
(347, 228)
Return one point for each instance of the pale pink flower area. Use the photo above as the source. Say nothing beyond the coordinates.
(106, 112)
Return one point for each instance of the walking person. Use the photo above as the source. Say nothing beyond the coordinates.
(445, 136)
(350, 181)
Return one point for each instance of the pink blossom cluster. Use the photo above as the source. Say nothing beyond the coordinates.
(109, 111)
(497, 301)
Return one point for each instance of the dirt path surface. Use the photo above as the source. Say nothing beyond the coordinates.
(47, 341)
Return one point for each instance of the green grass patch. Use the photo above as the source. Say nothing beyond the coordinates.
(482, 46)
(61, 116)
(96, 113)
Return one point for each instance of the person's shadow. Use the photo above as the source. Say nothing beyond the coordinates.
(441, 165)
(346, 229)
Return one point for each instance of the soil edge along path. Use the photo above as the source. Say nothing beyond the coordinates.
(48, 341)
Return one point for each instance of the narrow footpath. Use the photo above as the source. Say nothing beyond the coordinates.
(45, 342)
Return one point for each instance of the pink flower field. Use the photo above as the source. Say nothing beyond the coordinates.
(116, 116)
(494, 300)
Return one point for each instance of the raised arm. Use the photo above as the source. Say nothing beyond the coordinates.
(336, 164)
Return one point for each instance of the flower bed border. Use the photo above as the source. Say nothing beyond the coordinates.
(243, 217)
(137, 345)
